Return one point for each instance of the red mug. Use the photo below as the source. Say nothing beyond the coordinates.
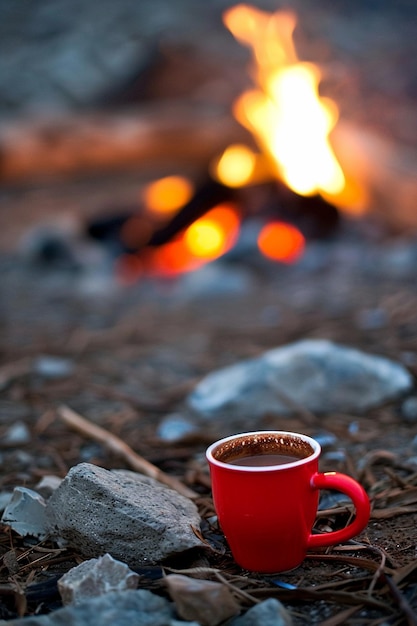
(265, 491)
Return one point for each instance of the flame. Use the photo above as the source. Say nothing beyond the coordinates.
(206, 239)
(239, 166)
(236, 166)
(167, 195)
(291, 122)
(280, 241)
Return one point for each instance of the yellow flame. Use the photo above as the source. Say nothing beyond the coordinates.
(204, 239)
(213, 234)
(209, 237)
(236, 165)
(291, 122)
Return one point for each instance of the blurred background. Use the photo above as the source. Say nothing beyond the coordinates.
(97, 100)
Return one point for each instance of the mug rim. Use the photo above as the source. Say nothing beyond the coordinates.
(264, 468)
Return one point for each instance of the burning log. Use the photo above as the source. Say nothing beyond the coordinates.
(102, 142)
(210, 194)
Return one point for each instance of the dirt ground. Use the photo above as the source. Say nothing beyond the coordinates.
(137, 350)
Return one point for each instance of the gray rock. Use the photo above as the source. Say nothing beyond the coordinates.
(47, 485)
(53, 367)
(318, 375)
(208, 602)
(123, 608)
(5, 498)
(17, 434)
(268, 613)
(409, 409)
(25, 513)
(95, 578)
(325, 439)
(134, 518)
(175, 426)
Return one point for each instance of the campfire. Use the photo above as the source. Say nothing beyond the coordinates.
(292, 126)
(293, 148)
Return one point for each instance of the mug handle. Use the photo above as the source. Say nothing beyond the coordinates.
(349, 486)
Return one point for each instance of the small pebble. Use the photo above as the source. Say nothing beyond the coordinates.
(53, 367)
(353, 428)
(174, 427)
(96, 577)
(335, 456)
(47, 485)
(325, 439)
(409, 409)
(17, 435)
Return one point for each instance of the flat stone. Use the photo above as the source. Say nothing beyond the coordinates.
(134, 518)
(123, 608)
(95, 578)
(208, 602)
(319, 375)
(25, 513)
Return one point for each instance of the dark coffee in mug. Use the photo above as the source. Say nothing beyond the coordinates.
(263, 460)
(265, 450)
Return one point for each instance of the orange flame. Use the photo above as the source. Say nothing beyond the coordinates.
(291, 122)
(167, 195)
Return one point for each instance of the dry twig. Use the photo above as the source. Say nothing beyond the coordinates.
(402, 601)
(116, 445)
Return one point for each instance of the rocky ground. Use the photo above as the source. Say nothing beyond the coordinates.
(126, 356)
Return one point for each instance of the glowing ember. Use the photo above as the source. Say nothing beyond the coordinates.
(171, 259)
(167, 195)
(213, 234)
(204, 240)
(281, 242)
(289, 119)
